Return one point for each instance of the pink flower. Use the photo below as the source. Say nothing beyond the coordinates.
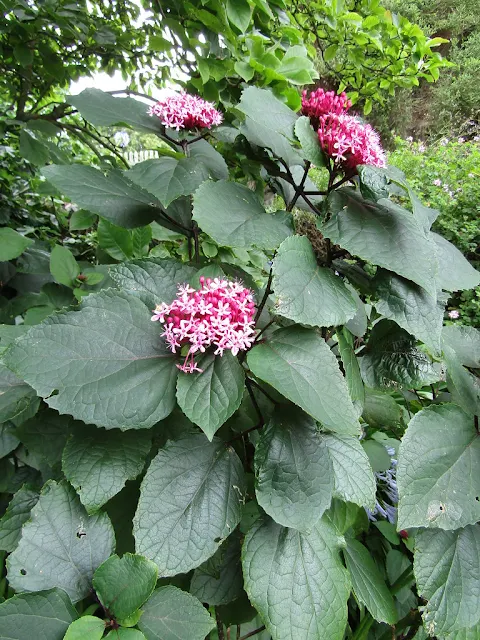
(320, 103)
(220, 314)
(349, 142)
(184, 111)
(454, 314)
(437, 182)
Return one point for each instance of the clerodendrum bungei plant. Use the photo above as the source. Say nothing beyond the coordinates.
(230, 469)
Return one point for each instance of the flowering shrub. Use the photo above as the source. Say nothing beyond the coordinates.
(295, 452)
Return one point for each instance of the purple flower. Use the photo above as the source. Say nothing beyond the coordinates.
(454, 314)
(437, 182)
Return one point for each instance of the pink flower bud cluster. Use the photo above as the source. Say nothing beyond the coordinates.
(343, 137)
(320, 103)
(221, 314)
(184, 111)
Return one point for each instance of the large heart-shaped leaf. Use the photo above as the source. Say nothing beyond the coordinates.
(244, 222)
(299, 364)
(384, 234)
(103, 110)
(304, 291)
(114, 197)
(455, 273)
(46, 614)
(107, 362)
(391, 359)
(153, 281)
(438, 479)
(294, 475)
(354, 479)
(190, 501)
(411, 307)
(172, 614)
(297, 582)
(447, 566)
(98, 463)
(61, 546)
(211, 397)
(169, 178)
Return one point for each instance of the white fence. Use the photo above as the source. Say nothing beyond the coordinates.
(134, 157)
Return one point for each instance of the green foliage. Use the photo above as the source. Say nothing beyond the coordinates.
(244, 485)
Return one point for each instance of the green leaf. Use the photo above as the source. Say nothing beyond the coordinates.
(244, 220)
(153, 281)
(368, 584)
(124, 584)
(293, 470)
(411, 307)
(381, 410)
(465, 343)
(141, 238)
(125, 634)
(384, 234)
(45, 614)
(81, 219)
(61, 546)
(447, 566)
(210, 398)
(269, 123)
(17, 513)
(304, 291)
(244, 70)
(204, 152)
(296, 66)
(309, 141)
(33, 149)
(377, 454)
(168, 178)
(472, 633)
(297, 582)
(330, 52)
(373, 182)
(353, 475)
(298, 363)
(15, 396)
(239, 13)
(172, 614)
(63, 266)
(455, 273)
(46, 434)
(12, 244)
(190, 501)
(438, 480)
(23, 54)
(103, 110)
(114, 197)
(392, 360)
(8, 439)
(116, 241)
(86, 628)
(351, 368)
(120, 374)
(225, 582)
(98, 463)
(463, 385)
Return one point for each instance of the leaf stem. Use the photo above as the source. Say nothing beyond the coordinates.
(265, 393)
(268, 291)
(299, 188)
(248, 384)
(253, 633)
(221, 634)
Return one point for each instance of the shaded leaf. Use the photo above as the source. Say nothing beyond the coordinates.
(12, 244)
(17, 513)
(226, 583)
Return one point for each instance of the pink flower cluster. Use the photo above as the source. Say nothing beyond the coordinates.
(221, 314)
(343, 137)
(184, 111)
